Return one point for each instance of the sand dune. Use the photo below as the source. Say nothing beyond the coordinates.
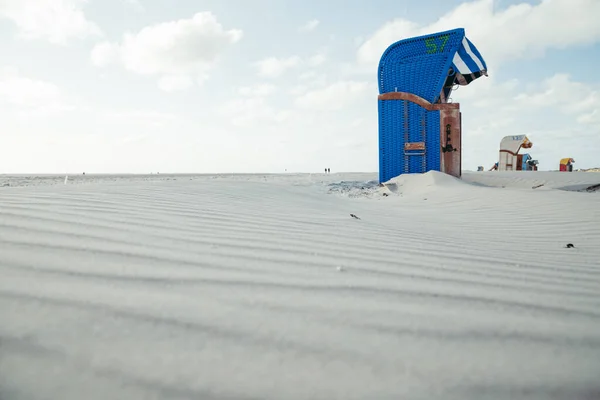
(264, 287)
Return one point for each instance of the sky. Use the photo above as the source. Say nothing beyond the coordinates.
(220, 86)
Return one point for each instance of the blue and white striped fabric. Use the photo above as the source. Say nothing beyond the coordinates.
(467, 65)
(468, 60)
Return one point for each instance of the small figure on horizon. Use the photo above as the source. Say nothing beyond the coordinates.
(328, 170)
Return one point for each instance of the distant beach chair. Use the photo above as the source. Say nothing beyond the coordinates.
(566, 164)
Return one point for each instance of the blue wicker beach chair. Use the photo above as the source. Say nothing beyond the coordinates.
(419, 128)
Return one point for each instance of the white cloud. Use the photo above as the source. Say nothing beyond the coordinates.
(104, 54)
(335, 96)
(21, 91)
(185, 48)
(259, 90)
(173, 83)
(309, 80)
(316, 60)
(274, 67)
(140, 118)
(252, 111)
(590, 118)
(298, 90)
(56, 21)
(309, 26)
(307, 75)
(514, 103)
(136, 4)
(519, 31)
(568, 96)
(30, 97)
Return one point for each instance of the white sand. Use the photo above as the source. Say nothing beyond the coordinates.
(264, 287)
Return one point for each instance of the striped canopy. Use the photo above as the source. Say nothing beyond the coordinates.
(467, 65)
